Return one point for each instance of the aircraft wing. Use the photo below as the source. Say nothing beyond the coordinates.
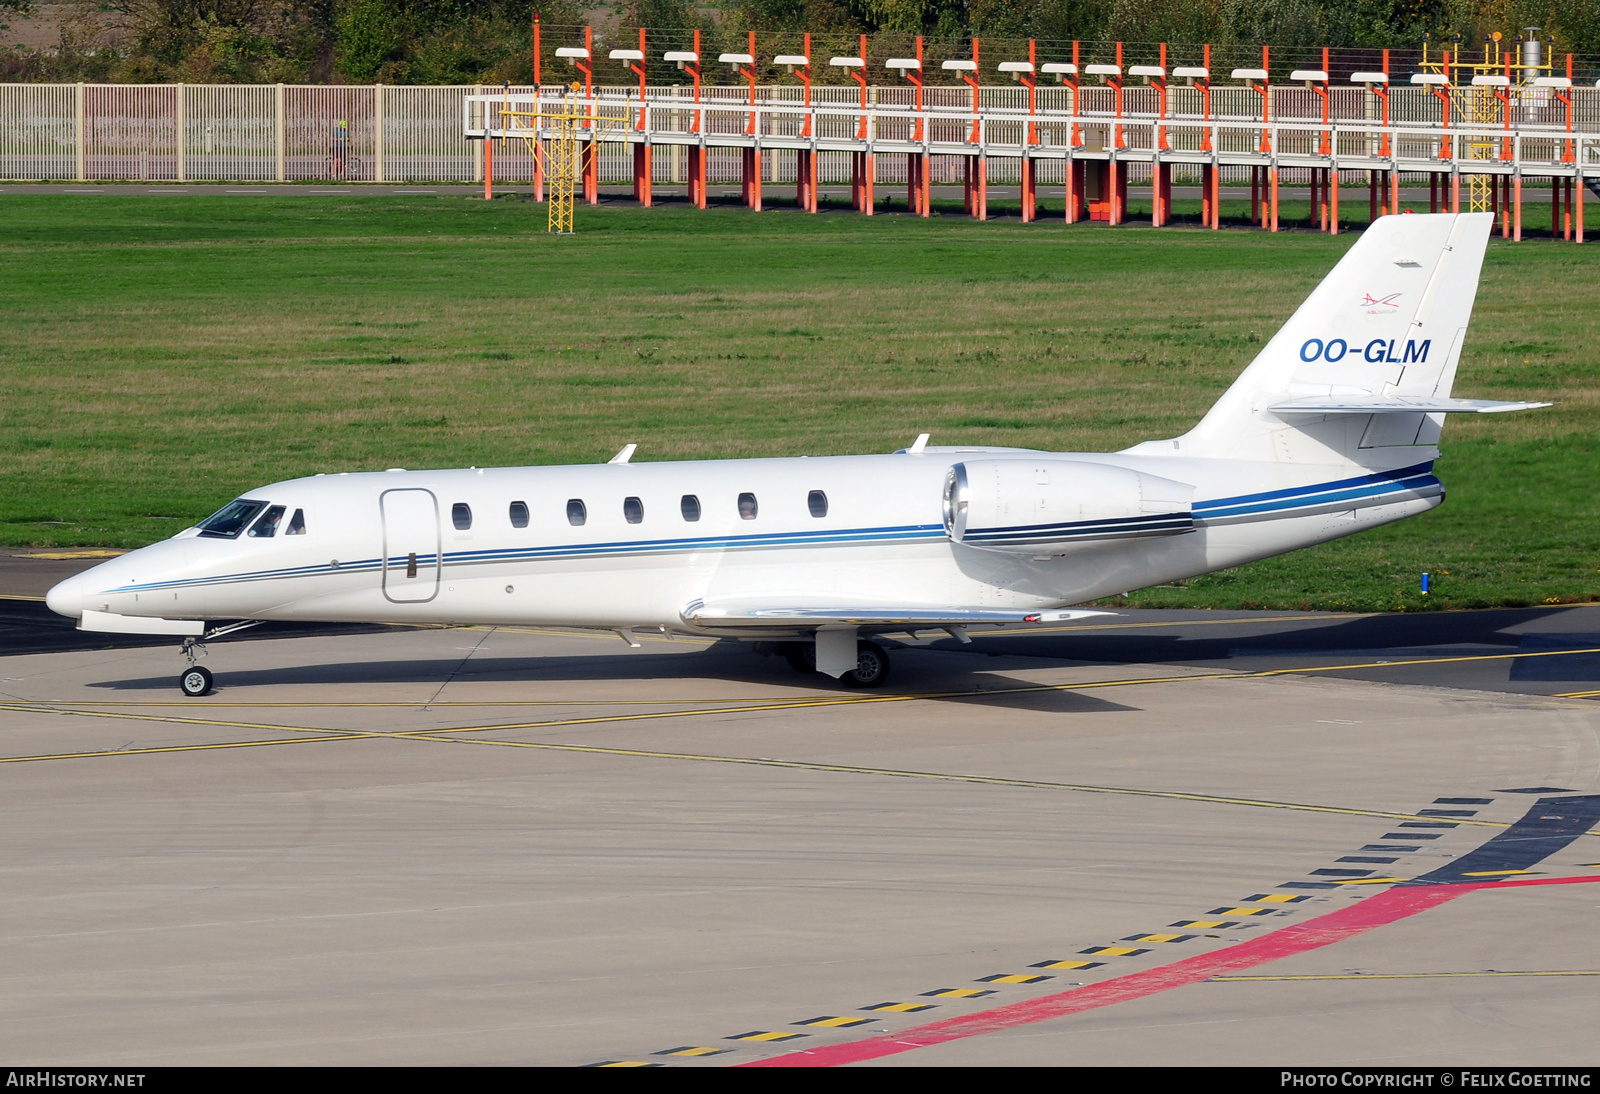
(748, 614)
(1394, 404)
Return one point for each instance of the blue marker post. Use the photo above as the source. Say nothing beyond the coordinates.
(1424, 584)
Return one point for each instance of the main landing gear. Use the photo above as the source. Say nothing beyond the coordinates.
(872, 663)
(196, 680)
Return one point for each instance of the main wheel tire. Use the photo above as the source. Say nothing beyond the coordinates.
(195, 681)
(872, 666)
(802, 656)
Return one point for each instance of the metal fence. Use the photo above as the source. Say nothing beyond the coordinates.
(290, 133)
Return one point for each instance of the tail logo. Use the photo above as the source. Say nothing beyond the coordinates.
(1370, 301)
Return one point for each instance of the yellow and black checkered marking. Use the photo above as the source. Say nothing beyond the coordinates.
(834, 1020)
(625, 1063)
(1066, 964)
(767, 1035)
(693, 1050)
(1158, 938)
(1114, 951)
(958, 993)
(1205, 924)
(1239, 911)
(1012, 978)
(902, 1008)
(1276, 898)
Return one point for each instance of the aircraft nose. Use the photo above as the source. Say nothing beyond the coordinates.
(66, 598)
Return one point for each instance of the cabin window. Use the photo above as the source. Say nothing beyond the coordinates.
(461, 516)
(576, 513)
(633, 510)
(230, 520)
(691, 508)
(297, 524)
(519, 514)
(267, 526)
(747, 506)
(818, 502)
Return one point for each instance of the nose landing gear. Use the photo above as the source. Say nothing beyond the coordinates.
(197, 680)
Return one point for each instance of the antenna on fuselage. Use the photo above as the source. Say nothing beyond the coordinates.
(625, 455)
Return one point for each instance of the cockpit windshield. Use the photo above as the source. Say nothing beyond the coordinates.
(229, 521)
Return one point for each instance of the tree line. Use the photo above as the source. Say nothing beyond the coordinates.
(490, 41)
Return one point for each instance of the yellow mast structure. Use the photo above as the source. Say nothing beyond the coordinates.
(1479, 106)
(563, 158)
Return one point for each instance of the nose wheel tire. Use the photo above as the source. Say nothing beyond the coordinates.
(872, 667)
(195, 681)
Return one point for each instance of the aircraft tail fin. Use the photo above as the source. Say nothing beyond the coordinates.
(1381, 334)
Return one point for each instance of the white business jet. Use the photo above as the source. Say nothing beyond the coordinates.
(1331, 430)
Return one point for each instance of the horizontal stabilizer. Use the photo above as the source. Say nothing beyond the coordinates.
(700, 614)
(112, 623)
(1396, 404)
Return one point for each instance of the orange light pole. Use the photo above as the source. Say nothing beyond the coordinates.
(1161, 175)
(690, 62)
(1263, 179)
(643, 165)
(752, 155)
(1116, 85)
(1029, 172)
(750, 75)
(1320, 187)
(917, 197)
(976, 189)
(488, 154)
(538, 157)
(862, 167)
(805, 176)
(591, 159)
(1325, 147)
(1076, 170)
(1210, 173)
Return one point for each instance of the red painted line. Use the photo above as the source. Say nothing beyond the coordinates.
(1389, 906)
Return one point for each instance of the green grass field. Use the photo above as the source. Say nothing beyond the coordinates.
(160, 355)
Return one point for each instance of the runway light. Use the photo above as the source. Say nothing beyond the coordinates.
(1424, 584)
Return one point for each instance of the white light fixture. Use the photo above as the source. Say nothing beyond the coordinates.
(1250, 74)
(1308, 76)
(1103, 71)
(1491, 81)
(792, 61)
(573, 53)
(1433, 79)
(1017, 69)
(902, 63)
(736, 59)
(1558, 82)
(1192, 72)
(1369, 77)
(846, 62)
(1149, 72)
(681, 57)
(960, 66)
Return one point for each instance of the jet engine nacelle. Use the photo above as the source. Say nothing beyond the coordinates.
(1049, 506)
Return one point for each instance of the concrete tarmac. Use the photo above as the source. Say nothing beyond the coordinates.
(517, 846)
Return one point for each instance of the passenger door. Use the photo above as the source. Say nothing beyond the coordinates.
(411, 545)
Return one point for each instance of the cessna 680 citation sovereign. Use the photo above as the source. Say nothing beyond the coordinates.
(1331, 430)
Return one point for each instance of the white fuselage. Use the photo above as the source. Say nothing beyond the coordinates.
(372, 543)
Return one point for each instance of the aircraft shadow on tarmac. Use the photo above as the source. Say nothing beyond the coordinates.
(1376, 634)
(930, 673)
